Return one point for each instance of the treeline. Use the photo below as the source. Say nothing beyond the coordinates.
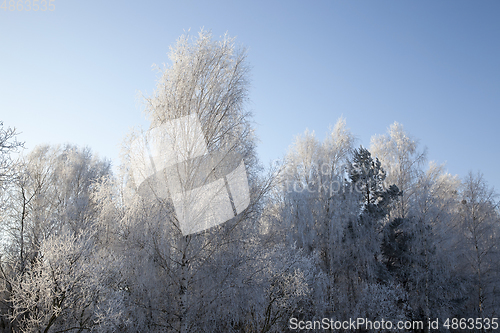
(332, 231)
(396, 239)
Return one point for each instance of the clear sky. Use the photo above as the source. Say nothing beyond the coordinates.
(74, 74)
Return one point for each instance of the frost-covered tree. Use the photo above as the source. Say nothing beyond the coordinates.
(364, 232)
(418, 249)
(479, 246)
(382, 301)
(367, 175)
(310, 206)
(402, 160)
(311, 183)
(182, 279)
(8, 145)
(52, 189)
(70, 286)
(51, 192)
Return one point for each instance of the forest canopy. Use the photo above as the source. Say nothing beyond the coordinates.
(334, 230)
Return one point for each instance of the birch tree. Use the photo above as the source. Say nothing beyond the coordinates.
(53, 189)
(8, 145)
(206, 84)
(70, 286)
(51, 193)
(418, 250)
(403, 161)
(479, 222)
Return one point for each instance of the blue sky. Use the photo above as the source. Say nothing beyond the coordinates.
(74, 74)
